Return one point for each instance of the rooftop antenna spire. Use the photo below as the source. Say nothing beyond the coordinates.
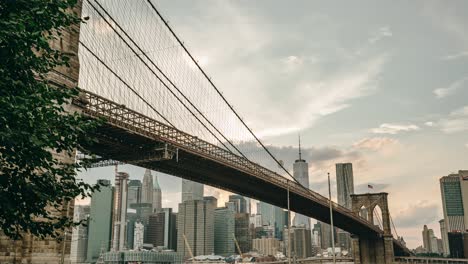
(300, 154)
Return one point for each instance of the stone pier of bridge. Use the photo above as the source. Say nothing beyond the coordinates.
(373, 249)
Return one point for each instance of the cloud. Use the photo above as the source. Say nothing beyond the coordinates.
(394, 128)
(429, 123)
(376, 143)
(417, 214)
(460, 112)
(460, 55)
(466, 145)
(449, 90)
(456, 121)
(383, 32)
(453, 125)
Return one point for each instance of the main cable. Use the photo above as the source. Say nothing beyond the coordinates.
(223, 98)
(125, 83)
(165, 76)
(156, 75)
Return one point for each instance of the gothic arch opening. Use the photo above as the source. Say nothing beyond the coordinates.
(363, 212)
(377, 213)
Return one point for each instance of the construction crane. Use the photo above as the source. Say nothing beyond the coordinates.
(188, 246)
(237, 245)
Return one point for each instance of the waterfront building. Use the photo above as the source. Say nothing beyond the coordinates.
(161, 231)
(138, 235)
(119, 211)
(301, 242)
(129, 257)
(100, 221)
(79, 239)
(242, 232)
(224, 229)
(195, 220)
(266, 246)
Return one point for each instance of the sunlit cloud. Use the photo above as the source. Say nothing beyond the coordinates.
(456, 121)
(394, 128)
(376, 143)
(429, 123)
(449, 90)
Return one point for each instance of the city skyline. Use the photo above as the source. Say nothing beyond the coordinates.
(388, 148)
(209, 98)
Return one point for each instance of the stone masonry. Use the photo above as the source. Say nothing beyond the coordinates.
(31, 249)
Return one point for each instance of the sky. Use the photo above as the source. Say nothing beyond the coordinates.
(381, 84)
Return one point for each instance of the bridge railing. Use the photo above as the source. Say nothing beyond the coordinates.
(117, 114)
(411, 260)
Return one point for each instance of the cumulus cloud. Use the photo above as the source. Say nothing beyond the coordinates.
(449, 90)
(456, 121)
(417, 214)
(376, 143)
(394, 128)
(429, 124)
(383, 32)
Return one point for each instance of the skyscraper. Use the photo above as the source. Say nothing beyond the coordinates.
(452, 203)
(132, 218)
(344, 183)
(325, 234)
(242, 232)
(345, 187)
(134, 192)
(224, 231)
(301, 174)
(427, 234)
(147, 188)
(463, 176)
(301, 242)
(161, 231)
(191, 190)
(79, 241)
(272, 216)
(444, 235)
(195, 220)
(241, 203)
(157, 196)
(100, 221)
(119, 211)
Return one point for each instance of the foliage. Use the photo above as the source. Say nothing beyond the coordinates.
(34, 184)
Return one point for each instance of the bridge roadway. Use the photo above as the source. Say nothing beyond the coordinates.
(133, 138)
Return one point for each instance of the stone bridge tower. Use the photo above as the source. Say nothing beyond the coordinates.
(373, 249)
(32, 249)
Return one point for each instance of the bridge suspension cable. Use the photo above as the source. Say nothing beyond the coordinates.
(109, 38)
(156, 75)
(220, 94)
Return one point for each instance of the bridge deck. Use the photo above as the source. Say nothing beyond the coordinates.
(131, 137)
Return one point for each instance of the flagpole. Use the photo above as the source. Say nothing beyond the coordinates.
(331, 220)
